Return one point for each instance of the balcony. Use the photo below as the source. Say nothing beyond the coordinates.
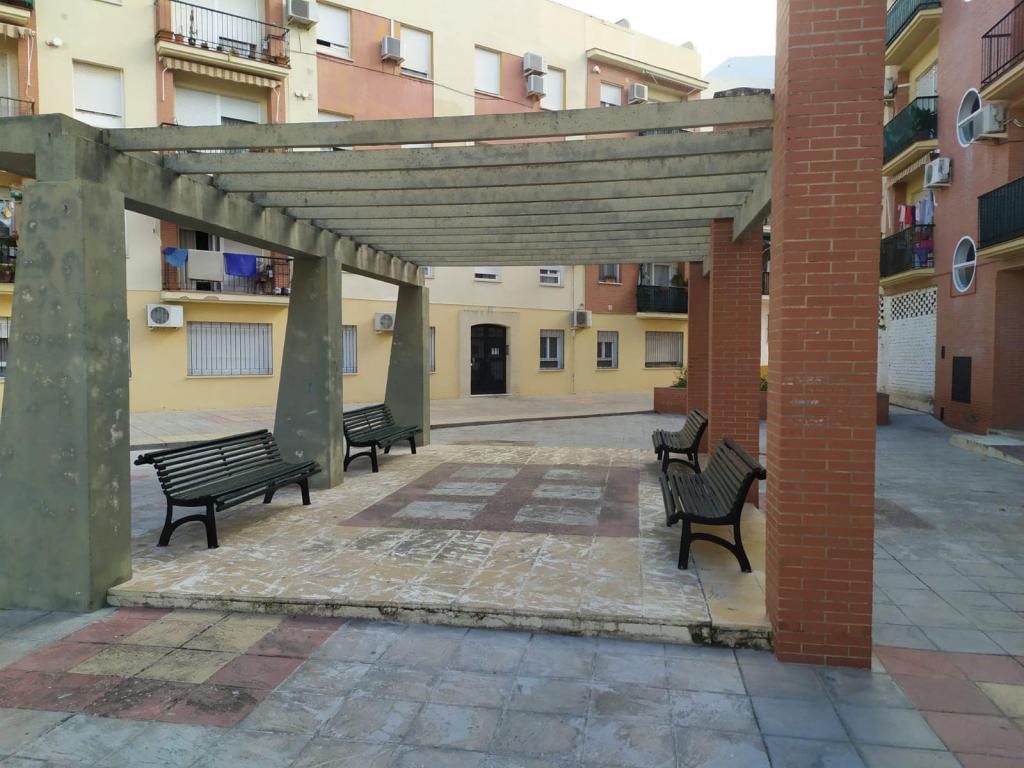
(910, 24)
(661, 300)
(11, 107)
(8, 263)
(194, 33)
(1002, 58)
(16, 11)
(1001, 220)
(910, 135)
(907, 255)
(269, 283)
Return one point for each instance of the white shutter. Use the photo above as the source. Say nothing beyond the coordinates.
(192, 107)
(5, 332)
(554, 84)
(6, 85)
(611, 95)
(230, 349)
(664, 349)
(488, 71)
(239, 109)
(334, 29)
(433, 358)
(98, 95)
(416, 50)
(247, 9)
(349, 350)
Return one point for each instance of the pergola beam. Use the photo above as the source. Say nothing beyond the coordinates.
(438, 227)
(520, 125)
(553, 238)
(541, 259)
(754, 209)
(484, 252)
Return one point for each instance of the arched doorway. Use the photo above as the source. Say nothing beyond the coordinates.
(488, 353)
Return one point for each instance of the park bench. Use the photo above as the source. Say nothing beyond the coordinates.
(714, 497)
(218, 474)
(686, 441)
(374, 427)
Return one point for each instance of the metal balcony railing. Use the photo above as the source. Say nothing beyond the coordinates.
(901, 13)
(273, 278)
(661, 298)
(1001, 214)
(918, 121)
(1002, 47)
(206, 28)
(27, 4)
(913, 248)
(12, 107)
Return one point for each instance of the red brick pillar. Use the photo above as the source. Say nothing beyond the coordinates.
(734, 339)
(822, 342)
(698, 298)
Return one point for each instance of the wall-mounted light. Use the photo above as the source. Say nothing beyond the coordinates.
(55, 42)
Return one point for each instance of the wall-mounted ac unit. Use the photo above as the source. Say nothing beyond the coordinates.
(391, 49)
(535, 86)
(580, 318)
(534, 64)
(302, 13)
(989, 122)
(937, 173)
(164, 316)
(889, 89)
(384, 321)
(637, 93)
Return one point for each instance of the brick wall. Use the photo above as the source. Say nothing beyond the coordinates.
(612, 298)
(906, 349)
(1008, 394)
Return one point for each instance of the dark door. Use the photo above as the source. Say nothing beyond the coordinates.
(488, 356)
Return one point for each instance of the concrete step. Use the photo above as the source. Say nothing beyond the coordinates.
(996, 446)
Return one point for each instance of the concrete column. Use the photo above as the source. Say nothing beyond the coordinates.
(822, 342)
(697, 326)
(65, 504)
(308, 420)
(408, 390)
(734, 339)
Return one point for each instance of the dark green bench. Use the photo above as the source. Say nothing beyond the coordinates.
(714, 497)
(218, 474)
(374, 427)
(686, 441)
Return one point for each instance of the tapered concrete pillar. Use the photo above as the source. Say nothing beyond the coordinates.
(408, 390)
(308, 420)
(734, 339)
(697, 326)
(822, 338)
(65, 501)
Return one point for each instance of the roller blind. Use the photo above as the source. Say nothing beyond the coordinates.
(555, 85)
(5, 332)
(664, 349)
(416, 51)
(334, 29)
(607, 349)
(488, 71)
(98, 96)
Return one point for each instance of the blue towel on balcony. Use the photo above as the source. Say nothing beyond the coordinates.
(240, 264)
(176, 257)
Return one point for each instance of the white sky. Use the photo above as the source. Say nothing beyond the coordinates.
(719, 28)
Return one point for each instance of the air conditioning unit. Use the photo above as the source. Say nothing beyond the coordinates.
(889, 89)
(637, 93)
(302, 13)
(989, 122)
(384, 321)
(534, 64)
(391, 49)
(936, 173)
(164, 316)
(580, 318)
(535, 86)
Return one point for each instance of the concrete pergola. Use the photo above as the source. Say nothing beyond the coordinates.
(672, 194)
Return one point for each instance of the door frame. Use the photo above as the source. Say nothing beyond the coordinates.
(498, 330)
(510, 320)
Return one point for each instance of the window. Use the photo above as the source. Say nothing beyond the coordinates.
(428, 272)
(331, 117)
(554, 84)
(664, 349)
(964, 262)
(5, 332)
(611, 95)
(193, 107)
(551, 344)
(657, 274)
(488, 71)
(99, 99)
(334, 29)
(486, 273)
(608, 273)
(607, 349)
(969, 106)
(348, 349)
(416, 50)
(433, 359)
(230, 349)
(551, 276)
(927, 83)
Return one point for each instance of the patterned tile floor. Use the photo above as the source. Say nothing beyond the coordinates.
(504, 536)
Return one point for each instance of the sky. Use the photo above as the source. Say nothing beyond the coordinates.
(719, 28)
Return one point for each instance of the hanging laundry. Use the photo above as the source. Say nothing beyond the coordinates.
(176, 257)
(240, 264)
(207, 266)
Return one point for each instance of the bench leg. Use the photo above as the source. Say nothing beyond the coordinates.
(387, 449)
(304, 487)
(211, 527)
(741, 554)
(665, 456)
(695, 461)
(684, 546)
(269, 495)
(165, 534)
(412, 444)
(373, 458)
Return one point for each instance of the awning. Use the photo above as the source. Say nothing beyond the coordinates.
(16, 31)
(183, 65)
(910, 170)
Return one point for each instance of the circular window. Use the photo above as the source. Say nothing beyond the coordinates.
(964, 262)
(969, 106)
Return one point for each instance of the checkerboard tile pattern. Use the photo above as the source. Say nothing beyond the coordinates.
(190, 667)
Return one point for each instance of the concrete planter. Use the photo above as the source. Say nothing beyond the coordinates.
(670, 400)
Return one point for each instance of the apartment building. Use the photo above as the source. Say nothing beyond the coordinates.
(221, 306)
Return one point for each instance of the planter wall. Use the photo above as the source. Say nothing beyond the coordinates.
(882, 409)
(670, 400)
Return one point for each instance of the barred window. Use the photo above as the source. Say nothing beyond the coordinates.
(5, 332)
(664, 349)
(550, 275)
(349, 349)
(230, 349)
(608, 273)
(607, 349)
(551, 344)
(433, 360)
